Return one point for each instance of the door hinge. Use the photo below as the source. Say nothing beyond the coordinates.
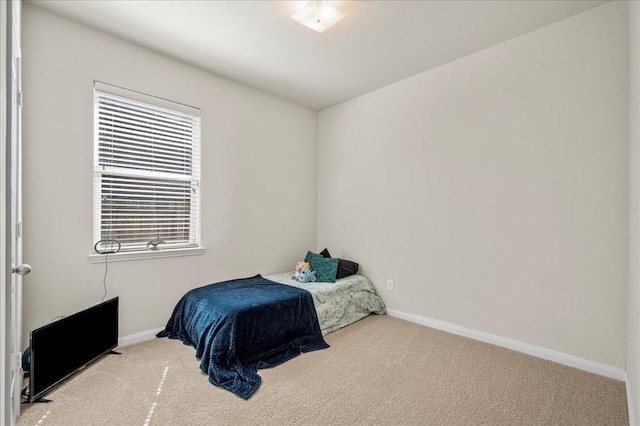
(20, 99)
(16, 361)
(19, 229)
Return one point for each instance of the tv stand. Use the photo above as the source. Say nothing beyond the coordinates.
(26, 398)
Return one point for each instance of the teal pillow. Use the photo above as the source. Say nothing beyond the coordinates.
(311, 255)
(326, 268)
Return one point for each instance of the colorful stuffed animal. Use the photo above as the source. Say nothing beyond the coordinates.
(302, 265)
(303, 273)
(307, 276)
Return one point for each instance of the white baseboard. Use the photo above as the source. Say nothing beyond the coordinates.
(537, 351)
(632, 417)
(139, 337)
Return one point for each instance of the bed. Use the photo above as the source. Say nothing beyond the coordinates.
(242, 325)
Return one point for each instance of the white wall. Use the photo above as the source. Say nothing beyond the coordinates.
(633, 332)
(252, 217)
(494, 189)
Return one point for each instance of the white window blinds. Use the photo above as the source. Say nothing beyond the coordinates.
(146, 171)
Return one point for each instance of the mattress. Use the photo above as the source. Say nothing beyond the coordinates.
(341, 303)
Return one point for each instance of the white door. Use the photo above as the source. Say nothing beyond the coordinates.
(10, 211)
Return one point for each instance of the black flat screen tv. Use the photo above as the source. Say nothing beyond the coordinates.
(67, 345)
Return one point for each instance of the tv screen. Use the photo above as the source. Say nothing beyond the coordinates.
(67, 345)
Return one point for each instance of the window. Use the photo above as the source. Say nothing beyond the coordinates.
(146, 172)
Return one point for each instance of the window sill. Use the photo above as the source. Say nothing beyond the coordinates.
(148, 254)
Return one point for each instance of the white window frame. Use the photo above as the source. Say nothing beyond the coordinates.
(135, 251)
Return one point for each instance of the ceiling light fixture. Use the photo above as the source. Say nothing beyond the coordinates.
(318, 15)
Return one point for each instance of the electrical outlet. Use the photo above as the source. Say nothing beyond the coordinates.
(390, 285)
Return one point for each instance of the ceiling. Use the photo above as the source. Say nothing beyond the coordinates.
(257, 43)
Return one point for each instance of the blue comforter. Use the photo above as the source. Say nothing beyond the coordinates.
(241, 325)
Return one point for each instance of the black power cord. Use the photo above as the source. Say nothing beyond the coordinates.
(106, 247)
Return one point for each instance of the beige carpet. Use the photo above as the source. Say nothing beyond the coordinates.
(379, 371)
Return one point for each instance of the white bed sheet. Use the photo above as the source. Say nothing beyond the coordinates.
(341, 303)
